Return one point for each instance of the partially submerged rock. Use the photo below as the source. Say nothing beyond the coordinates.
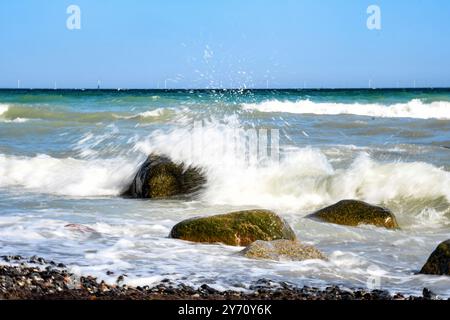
(282, 250)
(80, 228)
(439, 261)
(236, 228)
(83, 230)
(354, 213)
(159, 177)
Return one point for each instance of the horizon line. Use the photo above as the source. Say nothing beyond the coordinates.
(226, 89)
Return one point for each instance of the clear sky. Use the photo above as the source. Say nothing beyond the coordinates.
(224, 43)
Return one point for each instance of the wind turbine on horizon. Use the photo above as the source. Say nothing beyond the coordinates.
(166, 80)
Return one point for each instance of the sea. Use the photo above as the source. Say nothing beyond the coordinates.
(67, 155)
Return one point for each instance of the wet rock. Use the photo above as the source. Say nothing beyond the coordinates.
(439, 261)
(354, 213)
(159, 177)
(237, 228)
(37, 260)
(12, 258)
(428, 294)
(207, 289)
(120, 279)
(282, 250)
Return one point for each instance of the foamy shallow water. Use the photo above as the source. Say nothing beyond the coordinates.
(131, 238)
(69, 163)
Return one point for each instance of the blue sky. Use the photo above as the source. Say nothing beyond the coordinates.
(224, 43)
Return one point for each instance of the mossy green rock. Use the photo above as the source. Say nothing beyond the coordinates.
(236, 228)
(354, 213)
(439, 261)
(282, 250)
(159, 177)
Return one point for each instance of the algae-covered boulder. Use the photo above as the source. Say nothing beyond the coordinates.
(236, 228)
(439, 261)
(353, 213)
(282, 250)
(159, 177)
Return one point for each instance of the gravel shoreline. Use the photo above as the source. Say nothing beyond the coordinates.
(20, 280)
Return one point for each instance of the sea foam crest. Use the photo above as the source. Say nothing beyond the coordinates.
(3, 108)
(412, 109)
(66, 176)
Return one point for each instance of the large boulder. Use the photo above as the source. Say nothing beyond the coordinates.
(353, 213)
(282, 250)
(159, 177)
(236, 228)
(439, 261)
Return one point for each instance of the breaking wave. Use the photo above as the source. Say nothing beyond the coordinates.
(20, 113)
(304, 178)
(412, 109)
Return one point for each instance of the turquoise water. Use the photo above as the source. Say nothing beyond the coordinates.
(65, 156)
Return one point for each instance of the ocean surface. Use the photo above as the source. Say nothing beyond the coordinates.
(66, 155)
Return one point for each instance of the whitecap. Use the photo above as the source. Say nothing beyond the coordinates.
(412, 109)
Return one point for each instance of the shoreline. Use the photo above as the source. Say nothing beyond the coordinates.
(54, 282)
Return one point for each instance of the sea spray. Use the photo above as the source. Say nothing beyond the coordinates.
(303, 178)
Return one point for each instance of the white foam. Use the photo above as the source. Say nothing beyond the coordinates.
(431, 218)
(305, 179)
(412, 109)
(3, 108)
(17, 120)
(308, 180)
(68, 176)
(152, 113)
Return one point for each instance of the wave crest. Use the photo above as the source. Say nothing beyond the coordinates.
(304, 179)
(412, 109)
(16, 113)
(67, 176)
